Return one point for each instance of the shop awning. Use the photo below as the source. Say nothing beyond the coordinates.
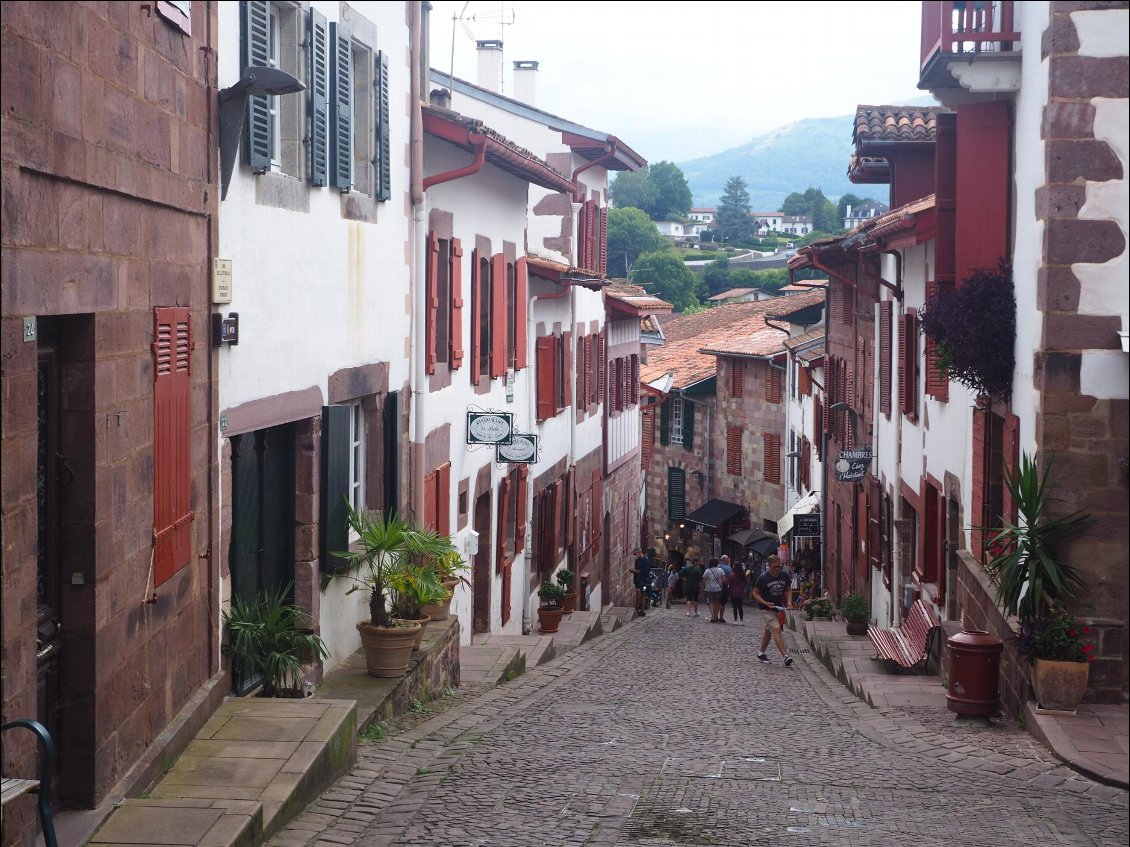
(710, 516)
(805, 505)
(757, 540)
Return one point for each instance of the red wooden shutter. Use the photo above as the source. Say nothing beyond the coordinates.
(443, 499)
(172, 444)
(602, 241)
(908, 364)
(520, 519)
(772, 457)
(1010, 452)
(476, 311)
(735, 378)
(498, 328)
(980, 480)
(647, 417)
(803, 380)
(505, 599)
(590, 373)
(580, 371)
(635, 378)
(520, 307)
(885, 308)
(600, 371)
(772, 384)
(567, 375)
(903, 393)
(937, 381)
(849, 390)
(805, 463)
(847, 304)
(430, 512)
(734, 450)
(818, 425)
(582, 213)
(433, 302)
(456, 303)
(545, 352)
(503, 516)
(983, 186)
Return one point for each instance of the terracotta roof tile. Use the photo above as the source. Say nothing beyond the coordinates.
(895, 123)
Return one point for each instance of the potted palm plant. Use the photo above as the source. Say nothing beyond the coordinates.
(552, 597)
(411, 588)
(1033, 582)
(385, 548)
(449, 569)
(565, 578)
(268, 640)
(854, 611)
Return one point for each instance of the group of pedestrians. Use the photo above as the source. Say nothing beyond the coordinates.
(719, 581)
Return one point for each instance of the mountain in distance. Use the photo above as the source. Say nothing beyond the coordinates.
(811, 152)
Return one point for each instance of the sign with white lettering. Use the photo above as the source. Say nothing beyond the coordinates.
(852, 464)
(806, 526)
(522, 449)
(489, 427)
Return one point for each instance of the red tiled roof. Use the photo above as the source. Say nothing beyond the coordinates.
(733, 292)
(636, 299)
(894, 123)
(763, 342)
(719, 327)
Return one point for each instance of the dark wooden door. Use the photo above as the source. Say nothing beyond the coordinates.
(261, 555)
(481, 567)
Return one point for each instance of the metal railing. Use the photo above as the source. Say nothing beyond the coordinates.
(967, 27)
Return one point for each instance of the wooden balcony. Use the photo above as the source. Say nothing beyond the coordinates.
(965, 31)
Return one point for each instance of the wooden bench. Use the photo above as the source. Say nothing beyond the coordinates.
(908, 645)
(13, 787)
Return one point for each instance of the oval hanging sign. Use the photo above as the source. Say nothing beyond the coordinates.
(489, 427)
(522, 448)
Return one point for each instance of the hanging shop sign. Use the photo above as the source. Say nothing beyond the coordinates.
(489, 427)
(806, 526)
(522, 449)
(852, 464)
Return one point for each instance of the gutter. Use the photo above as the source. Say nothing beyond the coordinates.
(610, 151)
(418, 366)
(479, 142)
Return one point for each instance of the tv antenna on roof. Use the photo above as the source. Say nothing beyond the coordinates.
(503, 17)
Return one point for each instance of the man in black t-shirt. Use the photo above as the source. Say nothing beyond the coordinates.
(641, 576)
(773, 592)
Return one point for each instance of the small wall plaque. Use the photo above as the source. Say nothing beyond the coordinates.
(221, 280)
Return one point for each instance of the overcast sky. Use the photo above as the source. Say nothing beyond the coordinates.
(678, 80)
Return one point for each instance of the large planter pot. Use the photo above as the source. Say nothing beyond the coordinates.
(549, 619)
(423, 621)
(857, 627)
(570, 602)
(1059, 686)
(440, 611)
(388, 649)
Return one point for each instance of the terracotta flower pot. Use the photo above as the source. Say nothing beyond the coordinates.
(1059, 686)
(857, 627)
(388, 649)
(570, 602)
(440, 611)
(549, 618)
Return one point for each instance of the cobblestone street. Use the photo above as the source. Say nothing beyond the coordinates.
(669, 732)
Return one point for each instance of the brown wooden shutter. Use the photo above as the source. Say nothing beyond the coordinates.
(581, 372)
(567, 373)
(805, 463)
(430, 512)
(735, 378)
(598, 365)
(503, 516)
(903, 394)
(520, 315)
(847, 304)
(498, 327)
(772, 457)
(1010, 452)
(885, 309)
(734, 450)
(433, 302)
(545, 352)
(443, 499)
(507, 579)
(937, 381)
(602, 241)
(874, 518)
(520, 519)
(818, 425)
(772, 384)
(172, 443)
(908, 364)
(647, 443)
(635, 378)
(804, 380)
(850, 423)
(476, 311)
(456, 303)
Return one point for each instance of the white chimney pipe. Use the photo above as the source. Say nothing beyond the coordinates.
(490, 64)
(525, 82)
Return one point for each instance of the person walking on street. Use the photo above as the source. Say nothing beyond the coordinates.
(692, 577)
(672, 583)
(641, 577)
(714, 583)
(736, 589)
(727, 568)
(773, 591)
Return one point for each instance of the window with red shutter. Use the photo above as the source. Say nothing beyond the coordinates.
(805, 462)
(647, 417)
(847, 304)
(804, 381)
(566, 370)
(520, 520)
(734, 450)
(430, 328)
(772, 384)
(499, 318)
(937, 381)
(599, 366)
(634, 379)
(602, 242)
(736, 378)
(849, 423)
(505, 529)
(456, 303)
(818, 425)
(172, 470)
(476, 317)
(545, 353)
(772, 457)
(581, 372)
(430, 513)
(520, 312)
(908, 364)
(511, 317)
(443, 499)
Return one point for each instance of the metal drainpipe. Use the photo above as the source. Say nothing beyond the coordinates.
(418, 370)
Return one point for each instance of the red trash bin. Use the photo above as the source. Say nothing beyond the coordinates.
(975, 659)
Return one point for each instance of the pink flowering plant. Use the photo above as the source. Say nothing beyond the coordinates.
(1055, 636)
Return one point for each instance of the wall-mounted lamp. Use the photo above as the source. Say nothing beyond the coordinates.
(254, 81)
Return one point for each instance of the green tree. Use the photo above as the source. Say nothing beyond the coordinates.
(820, 211)
(630, 233)
(794, 204)
(672, 194)
(664, 274)
(744, 278)
(716, 277)
(633, 189)
(733, 216)
(845, 201)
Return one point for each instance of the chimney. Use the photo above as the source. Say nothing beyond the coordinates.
(526, 82)
(490, 64)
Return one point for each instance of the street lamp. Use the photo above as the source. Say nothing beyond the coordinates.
(256, 80)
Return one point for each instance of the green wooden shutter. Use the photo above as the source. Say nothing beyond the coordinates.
(318, 61)
(341, 109)
(688, 424)
(335, 484)
(390, 434)
(383, 157)
(676, 494)
(665, 422)
(255, 51)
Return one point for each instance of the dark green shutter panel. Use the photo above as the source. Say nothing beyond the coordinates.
(318, 61)
(383, 157)
(665, 422)
(676, 494)
(335, 484)
(341, 109)
(390, 432)
(688, 424)
(256, 51)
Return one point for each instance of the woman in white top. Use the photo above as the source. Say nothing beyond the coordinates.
(714, 583)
